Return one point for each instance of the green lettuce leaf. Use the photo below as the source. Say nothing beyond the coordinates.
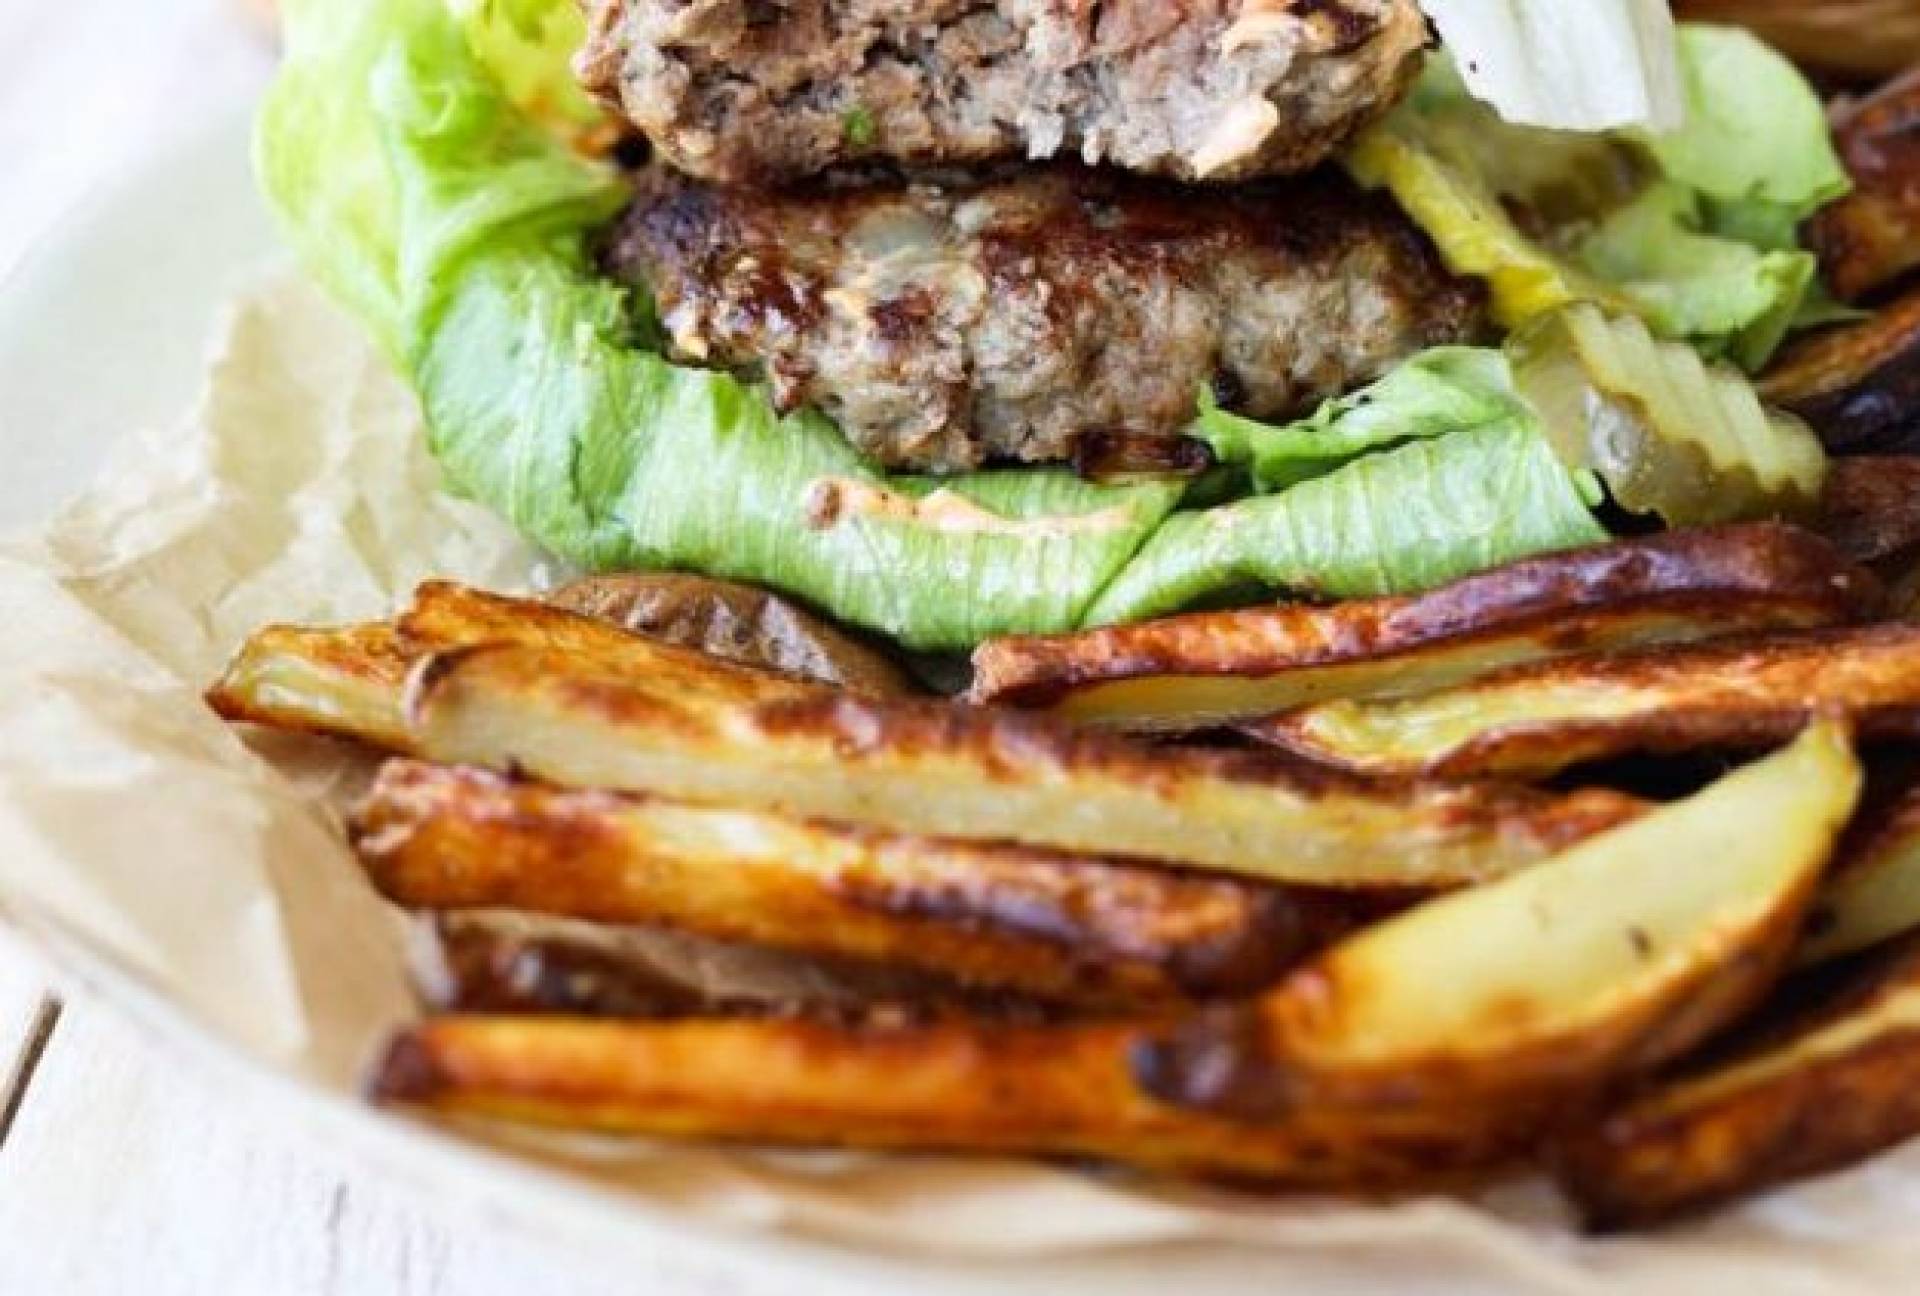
(1729, 298)
(321, 163)
(1445, 390)
(1755, 131)
(1694, 229)
(1401, 520)
(1771, 227)
(615, 458)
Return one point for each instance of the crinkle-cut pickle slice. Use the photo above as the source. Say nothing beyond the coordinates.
(1669, 433)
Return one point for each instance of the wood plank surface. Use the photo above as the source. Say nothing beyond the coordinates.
(29, 1013)
(119, 1175)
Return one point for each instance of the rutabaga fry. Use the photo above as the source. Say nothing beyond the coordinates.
(1212, 668)
(501, 962)
(345, 683)
(1873, 893)
(1063, 928)
(1819, 1085)
(1871, 237)
(1858, 386)
(348, 682)
(1059, 1090)
(679, 725)
(739, 623)
(1537, 720)
(507, 963)
(1870, 507)
(1529, 996)
(444, 616)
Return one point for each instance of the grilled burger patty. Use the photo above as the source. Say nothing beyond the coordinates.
(757, 91)
(943, 327)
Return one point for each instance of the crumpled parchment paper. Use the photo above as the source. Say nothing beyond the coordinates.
(209, 867)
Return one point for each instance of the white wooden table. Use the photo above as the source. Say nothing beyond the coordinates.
(117, 1174)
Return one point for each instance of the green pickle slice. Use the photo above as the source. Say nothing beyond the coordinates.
(1669, 433)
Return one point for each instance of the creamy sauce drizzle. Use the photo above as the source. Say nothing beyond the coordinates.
(832, 500)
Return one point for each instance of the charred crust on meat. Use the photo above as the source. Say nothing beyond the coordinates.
(1112, 457)
(1039, 316)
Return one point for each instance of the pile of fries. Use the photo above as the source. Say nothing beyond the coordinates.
(1166, 951)
(1375, 897)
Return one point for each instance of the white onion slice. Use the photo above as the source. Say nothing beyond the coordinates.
(1587, 65)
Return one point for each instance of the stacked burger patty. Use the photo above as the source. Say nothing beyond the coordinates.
(982, 231)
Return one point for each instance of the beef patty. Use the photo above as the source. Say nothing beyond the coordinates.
(944, 327)
(758, 91)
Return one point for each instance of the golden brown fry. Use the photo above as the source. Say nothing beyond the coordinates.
(1062, 928)
(1858, 386)
(1872, 236)
(345, 683)
(1535, 720)
(738, 623)
(1873, 894)
(444, 615)
(1824, 1082)
(500, 961)
(683, 726)
(1870, 507)
(1531, 995)
(1061, 1090)
(1217, 667)
(348, 682)
(506, 963)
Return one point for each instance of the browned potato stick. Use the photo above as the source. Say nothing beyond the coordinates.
(1217, 667)
(1057, 1091)
(1873, 894)
(739, 623)
(345, 683)
(1810, 1089)
(1057, 927)
(1536, 720)
(1857, 386)
(685, 727)
(348, 681)
(1532, 995)
(444, 615)
(486, 963)
(501, 961)
(1870, 506)
(1872, 237)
